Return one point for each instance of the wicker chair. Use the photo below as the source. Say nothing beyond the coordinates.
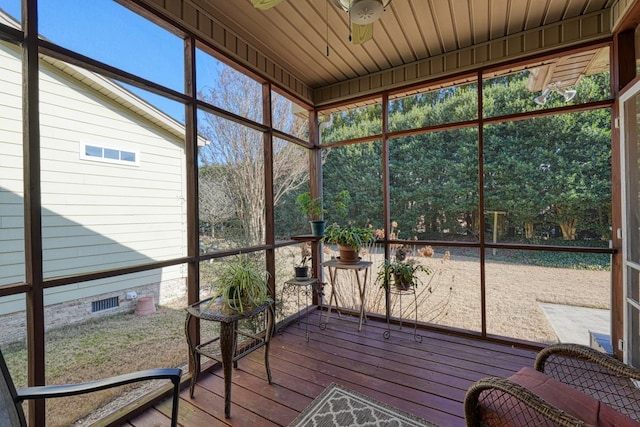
(594, 373)
(505, 403)
(574, 369)
(11, 399)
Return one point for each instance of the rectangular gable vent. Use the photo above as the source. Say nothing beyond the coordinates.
(104, 304)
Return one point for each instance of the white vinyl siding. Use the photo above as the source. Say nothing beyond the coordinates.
(146, 201)
(11, 166)
(96, 215)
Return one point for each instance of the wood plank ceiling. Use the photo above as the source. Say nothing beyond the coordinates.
(310, 38)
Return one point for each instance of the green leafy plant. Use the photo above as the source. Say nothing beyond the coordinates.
(402, 272)
(311, 208)
(348, 235)
(242, 284)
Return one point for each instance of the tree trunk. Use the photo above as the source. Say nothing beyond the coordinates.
(475, 223)
(568, 226)
(569, 229)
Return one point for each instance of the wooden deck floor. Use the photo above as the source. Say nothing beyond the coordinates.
(428, 379)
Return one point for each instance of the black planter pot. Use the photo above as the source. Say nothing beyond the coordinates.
(302, 272)
(317, 228)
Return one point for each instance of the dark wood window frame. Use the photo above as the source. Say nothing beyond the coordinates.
(35, 284)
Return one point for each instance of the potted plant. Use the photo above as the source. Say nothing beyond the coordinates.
(242, 284)
(349, 238)
(402, 271)
(314, 210)
(302, 269)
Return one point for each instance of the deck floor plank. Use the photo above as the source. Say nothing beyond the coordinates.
(428, 379)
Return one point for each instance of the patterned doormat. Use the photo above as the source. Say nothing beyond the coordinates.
(339, 406)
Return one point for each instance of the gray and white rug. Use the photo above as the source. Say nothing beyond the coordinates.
(339, 406)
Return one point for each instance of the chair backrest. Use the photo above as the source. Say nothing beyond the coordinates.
(9, 409)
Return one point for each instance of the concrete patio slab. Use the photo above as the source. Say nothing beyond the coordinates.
(572, 324)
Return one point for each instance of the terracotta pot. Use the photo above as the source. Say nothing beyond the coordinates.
(348, 255)
(144, 306)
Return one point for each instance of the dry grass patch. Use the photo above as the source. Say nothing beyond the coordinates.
(102, 348)
(450, 296)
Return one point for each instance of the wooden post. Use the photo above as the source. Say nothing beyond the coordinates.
(495, 226)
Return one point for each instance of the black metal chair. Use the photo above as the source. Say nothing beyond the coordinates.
(11, 399)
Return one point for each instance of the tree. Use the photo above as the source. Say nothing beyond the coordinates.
(358, 169)
(214, 204)
(237, 152)
(434, 183)
(433, 177)
(551, 170)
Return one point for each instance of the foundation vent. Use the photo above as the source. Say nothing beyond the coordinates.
(104, 304)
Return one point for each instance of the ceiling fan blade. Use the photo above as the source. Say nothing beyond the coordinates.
(265, 4)
(361, 33)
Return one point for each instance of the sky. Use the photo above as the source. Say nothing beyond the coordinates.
(109, 32)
